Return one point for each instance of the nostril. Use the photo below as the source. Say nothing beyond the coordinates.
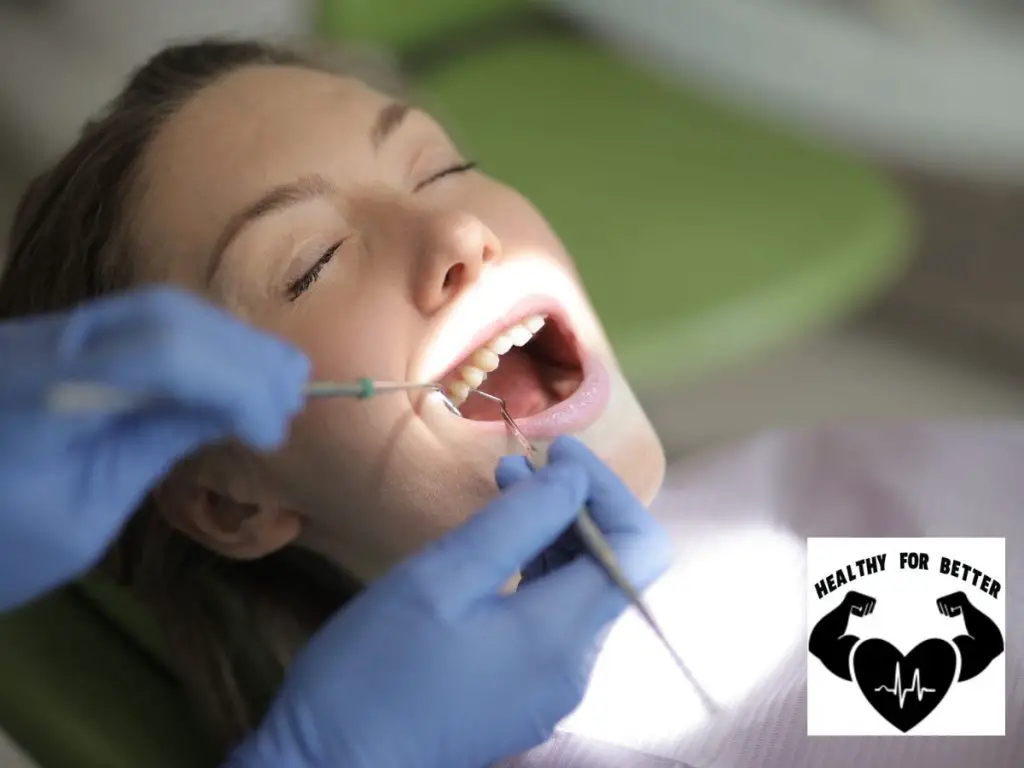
(492, 247)
(454, 275)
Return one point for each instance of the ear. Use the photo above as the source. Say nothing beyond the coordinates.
(221, 502)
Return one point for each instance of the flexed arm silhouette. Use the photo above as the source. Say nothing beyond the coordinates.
(983, 641)
(829, 641)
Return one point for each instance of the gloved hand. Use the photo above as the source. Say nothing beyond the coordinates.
(68, 483)
(432, 667)
(565, 548)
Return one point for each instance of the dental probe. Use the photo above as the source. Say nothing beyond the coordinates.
(88, 397)
(598, 547)
(365, 388)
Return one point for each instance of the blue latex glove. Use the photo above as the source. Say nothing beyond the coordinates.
(432, 668)
(564, 549)
(67, 484)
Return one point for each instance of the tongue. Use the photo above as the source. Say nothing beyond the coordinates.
(518, 382)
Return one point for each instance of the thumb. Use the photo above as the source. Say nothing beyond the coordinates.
(475, 559)
(511, 470)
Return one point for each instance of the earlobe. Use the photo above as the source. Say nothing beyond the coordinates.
(238, 530)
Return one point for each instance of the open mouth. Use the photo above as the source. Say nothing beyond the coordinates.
(534, 365)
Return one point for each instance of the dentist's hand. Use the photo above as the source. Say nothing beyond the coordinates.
(68, 483)
(432, 667)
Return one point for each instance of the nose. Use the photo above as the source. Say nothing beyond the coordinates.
(453, 255)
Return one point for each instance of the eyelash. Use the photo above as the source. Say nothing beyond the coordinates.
(303, 284)
(461, 168)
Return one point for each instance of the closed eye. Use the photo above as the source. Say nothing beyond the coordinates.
(461, 168)
(303, 284)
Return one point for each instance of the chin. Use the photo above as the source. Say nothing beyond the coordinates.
(525, 334)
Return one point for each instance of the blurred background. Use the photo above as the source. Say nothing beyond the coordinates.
(879, 140)
(787, 212)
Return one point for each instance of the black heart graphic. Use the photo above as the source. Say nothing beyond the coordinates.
(904, 689)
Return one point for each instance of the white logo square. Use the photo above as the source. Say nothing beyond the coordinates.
(906, 637)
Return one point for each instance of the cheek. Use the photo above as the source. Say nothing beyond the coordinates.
(376, 484)
(348, 333)
(516, 222)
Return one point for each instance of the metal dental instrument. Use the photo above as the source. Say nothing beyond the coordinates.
(87, 397)
(603, 554)
(366, 388)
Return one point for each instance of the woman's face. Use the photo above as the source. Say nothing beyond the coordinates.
(330, 215)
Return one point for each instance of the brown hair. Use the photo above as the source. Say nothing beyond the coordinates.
(231, 627)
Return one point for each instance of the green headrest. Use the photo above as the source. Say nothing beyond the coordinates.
(400, 24)
(703, 237)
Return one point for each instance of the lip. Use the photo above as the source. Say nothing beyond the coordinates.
(572, 415)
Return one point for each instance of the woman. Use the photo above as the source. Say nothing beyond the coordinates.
(346, 222)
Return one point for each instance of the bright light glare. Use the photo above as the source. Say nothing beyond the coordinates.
(733, 608)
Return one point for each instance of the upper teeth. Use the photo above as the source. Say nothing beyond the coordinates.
(487, 357)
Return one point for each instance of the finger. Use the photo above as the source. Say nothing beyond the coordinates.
(189, 371)
(514, 469)
(176, 321)
(639, 541)
(28, 343)
(584, 589)
(564, 549)
(156, 309)
(476, 559)
(511, 470)
(258, 353)
(131, 457)
(31, 334)
(585, 601)
(613, 506)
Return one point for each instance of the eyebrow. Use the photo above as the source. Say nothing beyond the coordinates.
(387, 122)
(282, 196)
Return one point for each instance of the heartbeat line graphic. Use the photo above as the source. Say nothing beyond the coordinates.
(899, 691)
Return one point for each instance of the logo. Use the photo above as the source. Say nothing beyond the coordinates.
(906, 637)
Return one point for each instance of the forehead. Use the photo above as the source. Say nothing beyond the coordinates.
(250, 130)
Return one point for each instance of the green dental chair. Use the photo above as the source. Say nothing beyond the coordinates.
(703, 238)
